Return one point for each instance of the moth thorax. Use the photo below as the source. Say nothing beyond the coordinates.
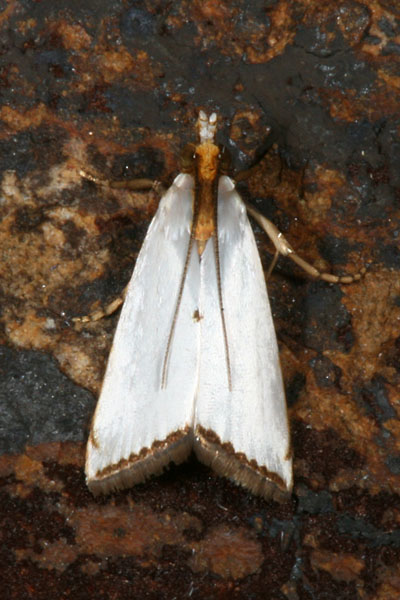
(207, 159)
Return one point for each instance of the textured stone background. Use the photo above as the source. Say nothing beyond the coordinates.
(114, 88)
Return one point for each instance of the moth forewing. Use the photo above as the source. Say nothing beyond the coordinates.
(242, 433)
(138, 427)
(194, 362)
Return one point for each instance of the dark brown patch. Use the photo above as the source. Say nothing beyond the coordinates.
(248, 473)
(138, 467)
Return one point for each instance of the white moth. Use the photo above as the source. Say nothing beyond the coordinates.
(194, 363)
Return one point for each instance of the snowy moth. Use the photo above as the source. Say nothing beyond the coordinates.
(194, 363)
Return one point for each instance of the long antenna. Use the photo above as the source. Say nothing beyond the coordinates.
(207, 202)
(220, 299)
(180, 292)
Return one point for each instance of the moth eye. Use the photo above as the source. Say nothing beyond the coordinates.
(224, 159)
(187, 158)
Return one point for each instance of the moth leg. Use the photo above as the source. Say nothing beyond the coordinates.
(133, 184)
(283, 247)
(140, 184)
(103, 312)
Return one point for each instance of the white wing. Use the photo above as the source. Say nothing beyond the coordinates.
(241, 433)
(138, 427)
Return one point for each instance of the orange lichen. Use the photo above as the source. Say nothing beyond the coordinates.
(227, 552)
(342, 567)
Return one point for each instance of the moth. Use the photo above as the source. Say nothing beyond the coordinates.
(194, 364)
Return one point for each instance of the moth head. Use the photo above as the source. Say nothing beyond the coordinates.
(188, 159)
